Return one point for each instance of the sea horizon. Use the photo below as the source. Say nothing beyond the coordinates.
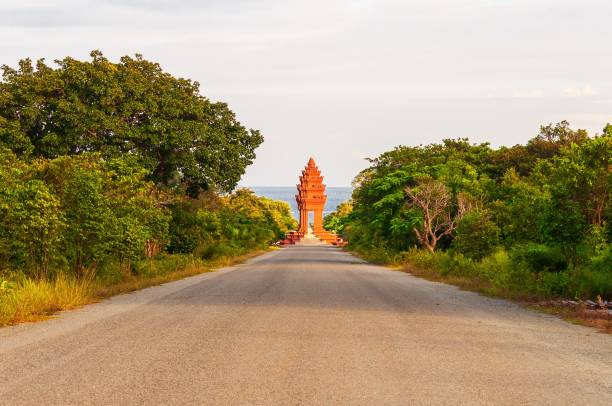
(335, 196)
(290, 186)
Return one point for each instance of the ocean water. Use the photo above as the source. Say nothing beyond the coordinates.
(335, 196)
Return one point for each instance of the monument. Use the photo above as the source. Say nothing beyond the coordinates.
(311, 197)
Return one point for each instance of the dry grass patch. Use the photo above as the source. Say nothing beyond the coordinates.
(601, 319)
(597, 318)
(32, 300)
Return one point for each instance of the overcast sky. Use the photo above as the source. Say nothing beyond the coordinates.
(344, 80)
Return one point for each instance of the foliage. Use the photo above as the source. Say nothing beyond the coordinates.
(30, 218)
(477, 235)
(595, 278)
(214, 226)
(439, 214)
(85, 213)
(118, 175)
(336, 220)
(539, 257)
(518, 208)
(131, 107)
(540, 212)
(75, 213)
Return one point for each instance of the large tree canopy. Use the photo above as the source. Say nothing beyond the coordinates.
(131, 107)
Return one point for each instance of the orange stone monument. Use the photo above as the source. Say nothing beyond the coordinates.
(311, 197)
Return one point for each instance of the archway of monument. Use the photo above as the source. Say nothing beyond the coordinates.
(311, 218)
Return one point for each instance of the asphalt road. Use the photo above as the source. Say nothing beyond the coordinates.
(304, 325)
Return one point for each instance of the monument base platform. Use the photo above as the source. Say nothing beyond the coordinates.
(327, 237)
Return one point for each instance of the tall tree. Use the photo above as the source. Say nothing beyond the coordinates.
(131, 107)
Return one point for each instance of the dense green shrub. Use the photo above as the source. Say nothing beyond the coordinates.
(214, 226)
(476, 235)
(110, 207)
(603, 262)
(418, 257)
(221, 250)
(185, 229)
(539, 257)
(337, 220)
(504, 275)
(595, 278)
(75, 213)
(518, 207)
(455, 264)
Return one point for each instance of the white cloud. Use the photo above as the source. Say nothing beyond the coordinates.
(593, 120)
(574, 90)
(528, 93)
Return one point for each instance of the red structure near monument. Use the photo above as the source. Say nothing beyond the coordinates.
(311, 197)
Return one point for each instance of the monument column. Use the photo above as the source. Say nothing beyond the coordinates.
(318, 221)
(304, 221)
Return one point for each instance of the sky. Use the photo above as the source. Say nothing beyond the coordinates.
(345, 80)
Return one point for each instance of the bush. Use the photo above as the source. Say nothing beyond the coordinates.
(377, 254)
(443, 262)
(449, 263)
(510, 274)
(499, 269)
(163, 265)
(603, 262)
(220, 250)
(75, 213)
(418, 257)
(185, 229)
(553, 284)
(539, 257)
(477, 236)
(215, 226)
(596, 278)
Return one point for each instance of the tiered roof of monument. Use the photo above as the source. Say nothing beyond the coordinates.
(311, 182)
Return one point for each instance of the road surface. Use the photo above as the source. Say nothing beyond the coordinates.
(307, 324)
